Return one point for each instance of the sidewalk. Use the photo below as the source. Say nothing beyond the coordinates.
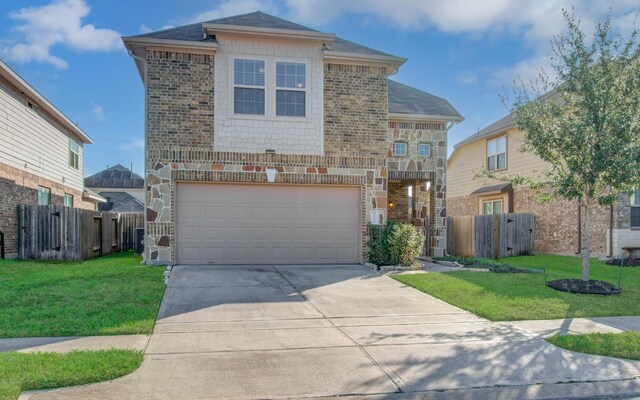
(71, 343)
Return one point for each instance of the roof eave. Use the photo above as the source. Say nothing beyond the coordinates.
(483, 136)
(330, 55)
(430, 117)
(14, 79)
(274, 32)
(91, 195)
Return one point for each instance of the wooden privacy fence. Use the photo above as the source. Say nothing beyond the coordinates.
(65, 233)
(491, 236)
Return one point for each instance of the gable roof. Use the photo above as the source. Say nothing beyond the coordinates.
(120, 202)
(20, 84)
(259, 23)
(116, 177)
(405, 99)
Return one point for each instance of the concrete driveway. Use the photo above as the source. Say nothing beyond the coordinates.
(313, 331)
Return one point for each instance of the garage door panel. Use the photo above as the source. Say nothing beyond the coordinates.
(283, 224)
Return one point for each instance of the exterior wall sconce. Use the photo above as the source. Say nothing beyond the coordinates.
(271, 174)
(390, 204)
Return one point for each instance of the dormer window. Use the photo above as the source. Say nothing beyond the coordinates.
(248, 89)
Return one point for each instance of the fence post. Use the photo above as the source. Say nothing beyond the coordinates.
(496, 235)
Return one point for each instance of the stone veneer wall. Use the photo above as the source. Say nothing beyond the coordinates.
(21, 187)
(421, 169)
(556, 221)
(355, 109)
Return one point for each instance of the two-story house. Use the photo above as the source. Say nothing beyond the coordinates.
(496, 148)
(270, 142)
(41, 155)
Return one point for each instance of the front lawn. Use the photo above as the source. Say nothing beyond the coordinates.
(104, 296)
(508, 297)
(620, 345)
(20, 372)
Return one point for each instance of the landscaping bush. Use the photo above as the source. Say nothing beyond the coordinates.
(395, 243)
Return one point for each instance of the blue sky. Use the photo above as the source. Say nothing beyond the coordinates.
(467, 51)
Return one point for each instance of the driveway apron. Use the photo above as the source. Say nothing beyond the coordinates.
(311, 331)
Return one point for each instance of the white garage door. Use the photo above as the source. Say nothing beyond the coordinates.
(267, 224)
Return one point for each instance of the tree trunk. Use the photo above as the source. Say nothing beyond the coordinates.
(586, 242)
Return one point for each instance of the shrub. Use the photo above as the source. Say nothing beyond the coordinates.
(395, 243)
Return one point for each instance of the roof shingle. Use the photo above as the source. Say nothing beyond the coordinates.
(405, 99)
(114, 177)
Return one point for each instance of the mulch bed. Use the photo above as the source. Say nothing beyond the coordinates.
(584, 287)
(625, 262)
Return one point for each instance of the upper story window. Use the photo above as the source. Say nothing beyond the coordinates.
(68, 200)
(399, 149)
(424, 149)
(44, 196)
(635, 209)
(291, 87)
(249, 86)
(497, 153)
(74, 153)
(270, 88)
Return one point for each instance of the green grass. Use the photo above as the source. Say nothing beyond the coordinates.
(20, 372)
(508, 297)
(620, 345)
(104, 296)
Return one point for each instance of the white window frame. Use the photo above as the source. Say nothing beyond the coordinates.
(68, 196)
(406, 149)
(74, 154)
(288, 89)
(494, 142)
(493, 207)
(270, 88)
(634, 203)
(428, 147)
(48, 195)
(234, 85)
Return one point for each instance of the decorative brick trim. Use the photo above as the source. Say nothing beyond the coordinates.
(198, 155)
(258, 177)
(412, 175)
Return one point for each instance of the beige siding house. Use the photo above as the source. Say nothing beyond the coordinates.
(41, 155)
(496, 148)
(270, 142)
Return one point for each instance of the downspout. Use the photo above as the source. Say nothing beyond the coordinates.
(144, 175)
(610, 231)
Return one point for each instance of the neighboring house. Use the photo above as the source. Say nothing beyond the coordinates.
(41, 155)
(496, 148)
(269, 142)
(122, 188)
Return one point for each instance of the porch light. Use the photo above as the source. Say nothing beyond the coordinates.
(391, 204)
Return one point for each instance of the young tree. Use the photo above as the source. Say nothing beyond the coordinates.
(584, 120)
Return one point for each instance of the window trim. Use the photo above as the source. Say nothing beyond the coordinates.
(493, 201)
(286, 89)
(74, 153)
(64, 200)
(406, 149)
(48, 195)
(423, 144)
(506, 150)
(269, 88)
(235, 85)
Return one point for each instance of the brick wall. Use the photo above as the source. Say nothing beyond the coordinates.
(180, 108)
(20, 187)
(397, 194)
(355, 109)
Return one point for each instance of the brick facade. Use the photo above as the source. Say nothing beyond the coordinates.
(356, 131)
(556, 221)
(21, 187)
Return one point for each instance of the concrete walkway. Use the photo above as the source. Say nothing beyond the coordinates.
(313, 331)
(66, 344)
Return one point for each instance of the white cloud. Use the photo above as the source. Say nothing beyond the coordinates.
(534, 22)
(57, 23)
(131, 145)
(229, 8)
(98, 112)
(467, 79)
